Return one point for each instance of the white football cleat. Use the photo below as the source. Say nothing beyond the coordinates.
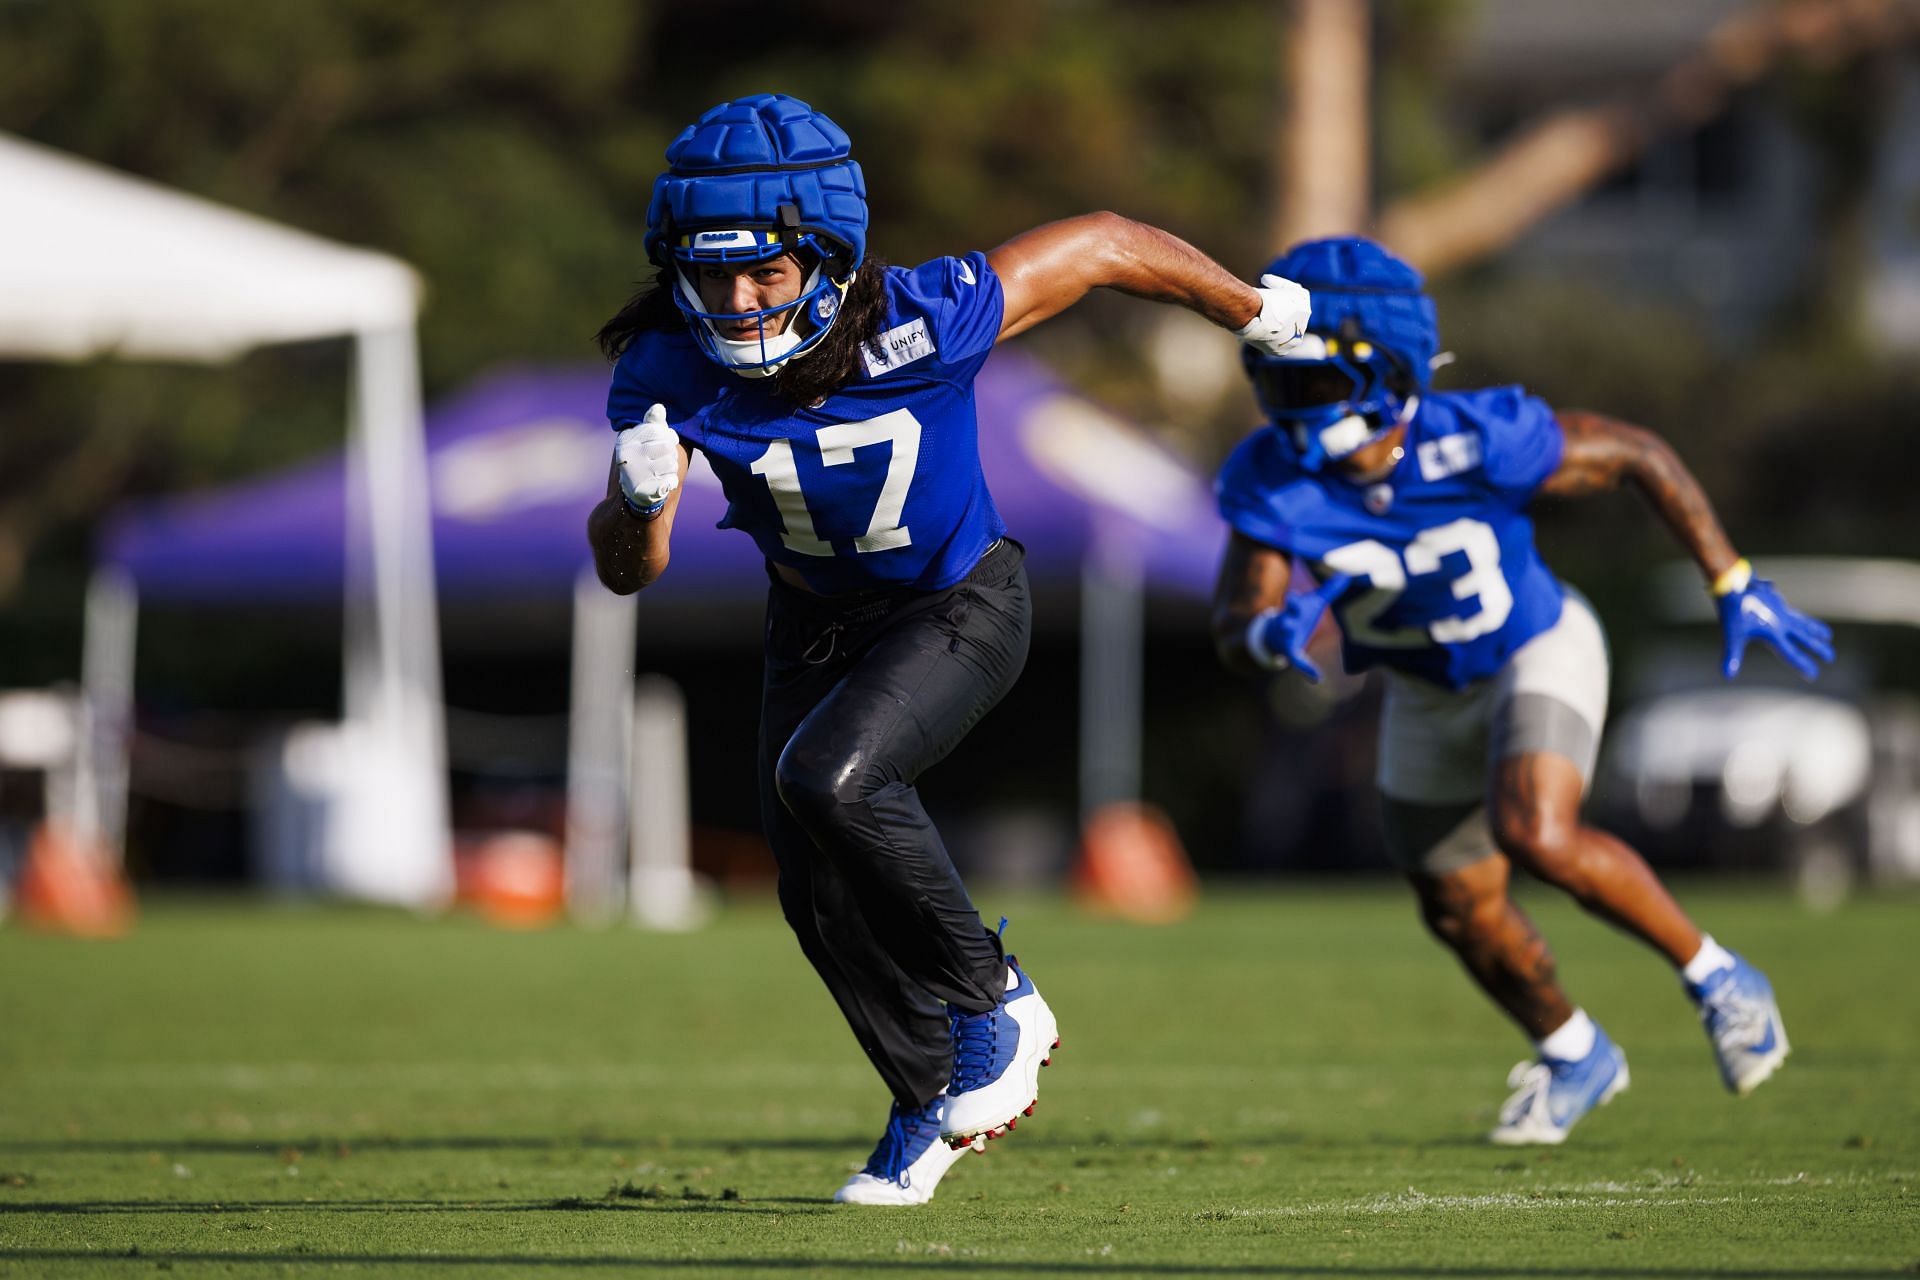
(909, 1162)
(997, 1056)
(1554, 1094)
(1743, 1022)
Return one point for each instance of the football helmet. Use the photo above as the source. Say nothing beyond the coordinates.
(1365, 359)
(747, 182)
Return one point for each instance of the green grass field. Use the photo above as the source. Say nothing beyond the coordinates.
(1294, 1083)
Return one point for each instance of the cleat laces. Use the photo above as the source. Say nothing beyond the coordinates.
(975, 1039)
(891, 1159)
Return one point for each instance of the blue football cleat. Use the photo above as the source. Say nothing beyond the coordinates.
(909, 1162)
(1554, 1094)
(1743, 1022)
(997, 1056)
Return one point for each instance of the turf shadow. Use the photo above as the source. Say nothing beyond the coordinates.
(285, 1258)
(667, 1201)
(323, 1145)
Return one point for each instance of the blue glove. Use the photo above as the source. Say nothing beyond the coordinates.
(1278, 638)
(1750, 608)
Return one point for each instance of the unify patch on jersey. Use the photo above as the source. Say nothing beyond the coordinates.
(902, 344)
(1448, 456)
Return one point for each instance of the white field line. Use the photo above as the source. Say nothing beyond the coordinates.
(1419, 1202)
(1657, 1190)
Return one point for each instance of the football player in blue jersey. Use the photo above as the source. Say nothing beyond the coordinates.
(832, 396)
(1410, 508)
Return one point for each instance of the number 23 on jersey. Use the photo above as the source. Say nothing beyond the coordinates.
(1387, 571)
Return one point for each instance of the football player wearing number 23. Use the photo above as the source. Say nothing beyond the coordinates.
(1410, 507)
(832, 395)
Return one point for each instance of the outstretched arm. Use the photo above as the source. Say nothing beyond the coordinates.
(1048, 269)
(1601, 452)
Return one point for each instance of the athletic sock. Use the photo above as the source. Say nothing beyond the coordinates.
(1709, 959)
(1572, 1041)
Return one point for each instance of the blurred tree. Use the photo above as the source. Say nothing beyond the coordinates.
(1326, 142)
(1553, 161)
(453, 138)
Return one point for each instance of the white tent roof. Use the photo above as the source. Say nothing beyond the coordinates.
(94, 262)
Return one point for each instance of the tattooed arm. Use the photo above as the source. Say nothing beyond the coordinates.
(1602, 451)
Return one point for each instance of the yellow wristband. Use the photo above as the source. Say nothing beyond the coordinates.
(1736, 578)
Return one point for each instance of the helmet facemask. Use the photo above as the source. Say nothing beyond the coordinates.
(807, 317)
(1332, 395)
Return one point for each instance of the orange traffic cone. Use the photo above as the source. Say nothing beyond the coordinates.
(70, 885)
(1132, 865)
(514, 879)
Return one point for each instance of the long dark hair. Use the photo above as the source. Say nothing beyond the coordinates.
(817, 374)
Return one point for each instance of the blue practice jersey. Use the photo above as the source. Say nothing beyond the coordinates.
(880, 484)
(1453, 582)
(664, 366)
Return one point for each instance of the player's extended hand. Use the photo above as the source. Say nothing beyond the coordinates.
(1754, 610)
(1284, 310)
(648, 457)
(1277, 638)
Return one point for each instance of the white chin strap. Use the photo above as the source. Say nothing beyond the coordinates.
(1344, 436)
(1353, 432)
(759, 357)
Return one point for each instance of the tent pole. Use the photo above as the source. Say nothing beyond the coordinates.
(599, 747)
(103, 737)
(662, 890)
(394, 843)
(1112, 666)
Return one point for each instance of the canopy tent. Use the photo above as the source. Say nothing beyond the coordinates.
(516, 461)
(93, 263)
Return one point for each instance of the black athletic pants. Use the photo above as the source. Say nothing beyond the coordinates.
(861, 694)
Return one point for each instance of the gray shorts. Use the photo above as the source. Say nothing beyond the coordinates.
(1438, 746)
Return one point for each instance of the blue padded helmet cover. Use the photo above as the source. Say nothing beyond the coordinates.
(1352, 278)
(740, 161)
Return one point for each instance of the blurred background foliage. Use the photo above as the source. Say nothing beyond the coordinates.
(507, 150)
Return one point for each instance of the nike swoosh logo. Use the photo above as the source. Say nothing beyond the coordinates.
(1759, 611)
(966, 271)
(1766, 1044)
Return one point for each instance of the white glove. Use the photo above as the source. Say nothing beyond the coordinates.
(1284, 310)
(648, 457)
